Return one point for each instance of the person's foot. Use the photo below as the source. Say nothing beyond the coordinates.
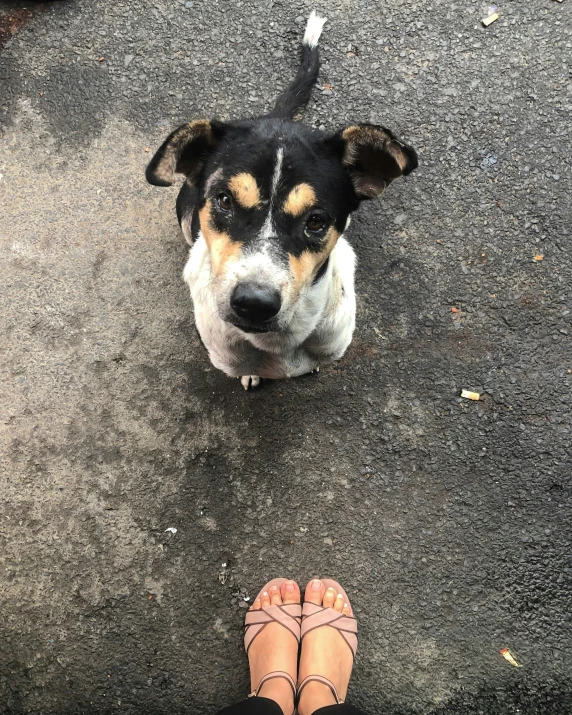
(275, 648)
(324, 652)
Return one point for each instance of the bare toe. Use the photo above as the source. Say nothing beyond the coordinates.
(256, 605)
(290, 592)
(264, 599)
(275, 597)
(329, 598)
(339, 603)
(314, 592)
(347, 610)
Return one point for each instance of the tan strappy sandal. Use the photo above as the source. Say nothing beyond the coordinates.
(287, 615)
(314, 616)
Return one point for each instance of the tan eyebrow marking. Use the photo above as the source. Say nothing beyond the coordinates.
(300, 199)
(245, 190)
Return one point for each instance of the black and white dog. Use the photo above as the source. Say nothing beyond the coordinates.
(264, 205)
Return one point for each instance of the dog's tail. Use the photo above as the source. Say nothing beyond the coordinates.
(293, 100)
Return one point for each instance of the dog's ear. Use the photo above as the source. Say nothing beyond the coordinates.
(374, 157)
(184, 152)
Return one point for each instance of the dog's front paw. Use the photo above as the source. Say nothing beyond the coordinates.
(250, 381)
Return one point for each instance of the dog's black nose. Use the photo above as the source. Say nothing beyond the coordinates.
(254, 302)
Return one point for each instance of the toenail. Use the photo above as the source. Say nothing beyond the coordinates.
(265, 593)
(331, 589)
(289, 586)
(316, 585)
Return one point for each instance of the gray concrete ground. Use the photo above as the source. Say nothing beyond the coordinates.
(448, 521)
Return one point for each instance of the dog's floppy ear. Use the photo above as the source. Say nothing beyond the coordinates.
(184, 152)
(374, 157)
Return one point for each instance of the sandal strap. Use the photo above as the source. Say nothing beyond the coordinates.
(319, 679)
(286, 614)
(314, 616)
(275, 674)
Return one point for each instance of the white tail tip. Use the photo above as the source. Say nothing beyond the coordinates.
(314, 29)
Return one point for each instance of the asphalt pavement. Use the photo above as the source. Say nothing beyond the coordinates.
(447, 520)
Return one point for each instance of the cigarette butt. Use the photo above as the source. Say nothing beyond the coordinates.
(490, 19)
(470, 395)
(507, 655)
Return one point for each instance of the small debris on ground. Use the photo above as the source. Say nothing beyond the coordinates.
(242, 598)
(470, 395)
(171, 530)
(223, 574)
(507, 655)
(489, 161)
(538, 257)
(491, 17)
(454, 310)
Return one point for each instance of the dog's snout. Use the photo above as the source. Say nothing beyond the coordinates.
(254, 302)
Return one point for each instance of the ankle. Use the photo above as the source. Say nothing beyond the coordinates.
(280, 691)
(315, 696)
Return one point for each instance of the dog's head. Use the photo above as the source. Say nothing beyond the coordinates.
(273, 198)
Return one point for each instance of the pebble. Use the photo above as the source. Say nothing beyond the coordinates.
(488, 161)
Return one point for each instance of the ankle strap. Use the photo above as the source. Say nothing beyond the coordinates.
(271, 676)
(324, 681)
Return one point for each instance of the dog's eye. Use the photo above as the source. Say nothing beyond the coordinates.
(315, 223)
(224, 201)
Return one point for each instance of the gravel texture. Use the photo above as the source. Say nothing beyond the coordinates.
(448, 521)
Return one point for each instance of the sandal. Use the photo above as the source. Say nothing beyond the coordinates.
(287, 615)
(314, 616)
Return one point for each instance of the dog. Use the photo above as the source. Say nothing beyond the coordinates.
(264, 205)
